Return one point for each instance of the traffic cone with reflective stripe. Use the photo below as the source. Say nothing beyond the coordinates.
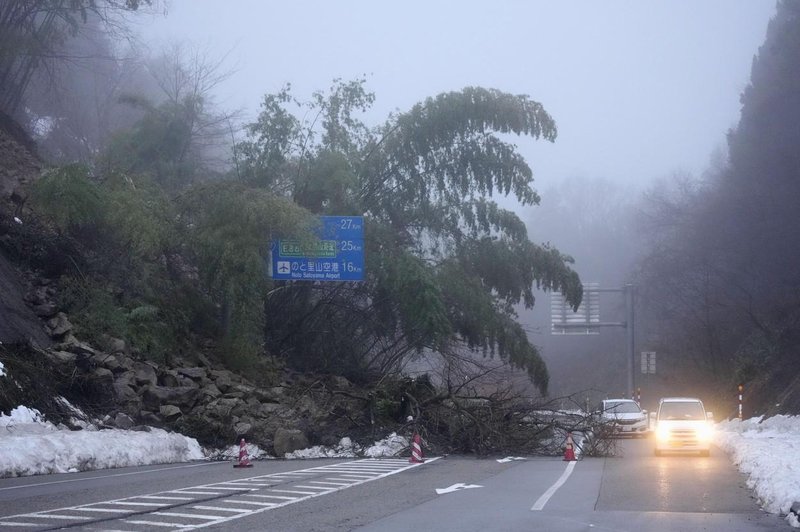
(243, 461)
(416, 450)
(569, 449)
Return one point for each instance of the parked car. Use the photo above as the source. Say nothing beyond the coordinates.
(621, 417)
(683, 425)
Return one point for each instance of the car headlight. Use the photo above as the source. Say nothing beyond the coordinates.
(662, 433)
(704, 433)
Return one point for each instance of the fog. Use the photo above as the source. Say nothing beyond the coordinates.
(638, 89)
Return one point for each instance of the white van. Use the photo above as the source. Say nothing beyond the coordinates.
(682, 425)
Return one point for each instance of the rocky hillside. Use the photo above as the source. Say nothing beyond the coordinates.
(52, 364)
(39, 348)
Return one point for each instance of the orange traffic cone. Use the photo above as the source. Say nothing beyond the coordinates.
(569, 449)
(244, 461)
(416, 450)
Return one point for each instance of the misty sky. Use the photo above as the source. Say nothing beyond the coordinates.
(639, 89)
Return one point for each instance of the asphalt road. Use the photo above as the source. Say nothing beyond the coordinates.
(633, 491)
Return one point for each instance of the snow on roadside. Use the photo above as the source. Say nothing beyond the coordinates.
(31, 446)
(390, 446)
(767, 451)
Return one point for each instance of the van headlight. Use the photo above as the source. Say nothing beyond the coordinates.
(662, 433)
(704, 433)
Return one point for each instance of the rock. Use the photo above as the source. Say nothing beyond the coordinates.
(222, 379)
(288, 440)
(127, 378)
(221, 408)
(277, 391)
(270, 409)
(72, 345)
(37, 296)
(242, 429)
(145, 373)
(168, 378)
(211, 391)
(182, 396)
(115, 364)
(62, 357)
(242, 389)
(103, 375)
(123, 393)
(340, 382)
(148, 418)
(85, 363)
(123, 421)
(193, 373)
(115, 346)
(45, 310)
(170, 412)
(58, 326)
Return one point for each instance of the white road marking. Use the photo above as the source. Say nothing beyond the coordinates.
(58, 516)
(165, 497)
(272, 497)
(192, 516)
(254, 503)
(540, 503)
(359, 472)
(126, 503)
(218, 509)
(153, 523)
(509, 459)
(456, 487)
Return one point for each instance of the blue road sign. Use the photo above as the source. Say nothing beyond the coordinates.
(337, 256)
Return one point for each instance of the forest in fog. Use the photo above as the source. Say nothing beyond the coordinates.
(156, 208)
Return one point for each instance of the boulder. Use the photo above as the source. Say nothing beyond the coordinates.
(223, 379)
(168, 378)
(112, 362)
(193, 373)
(209, 390)
(58, 326)
(145, 373)
(242, 429)
(103, 375)
(340, 383)
(45, 310)
(170, 412)
(182, 396)
(61, 357)
(123, 393)
(288, 440)
(221, 408)
(123, 421)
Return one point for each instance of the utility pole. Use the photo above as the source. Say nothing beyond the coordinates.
(629, 327)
